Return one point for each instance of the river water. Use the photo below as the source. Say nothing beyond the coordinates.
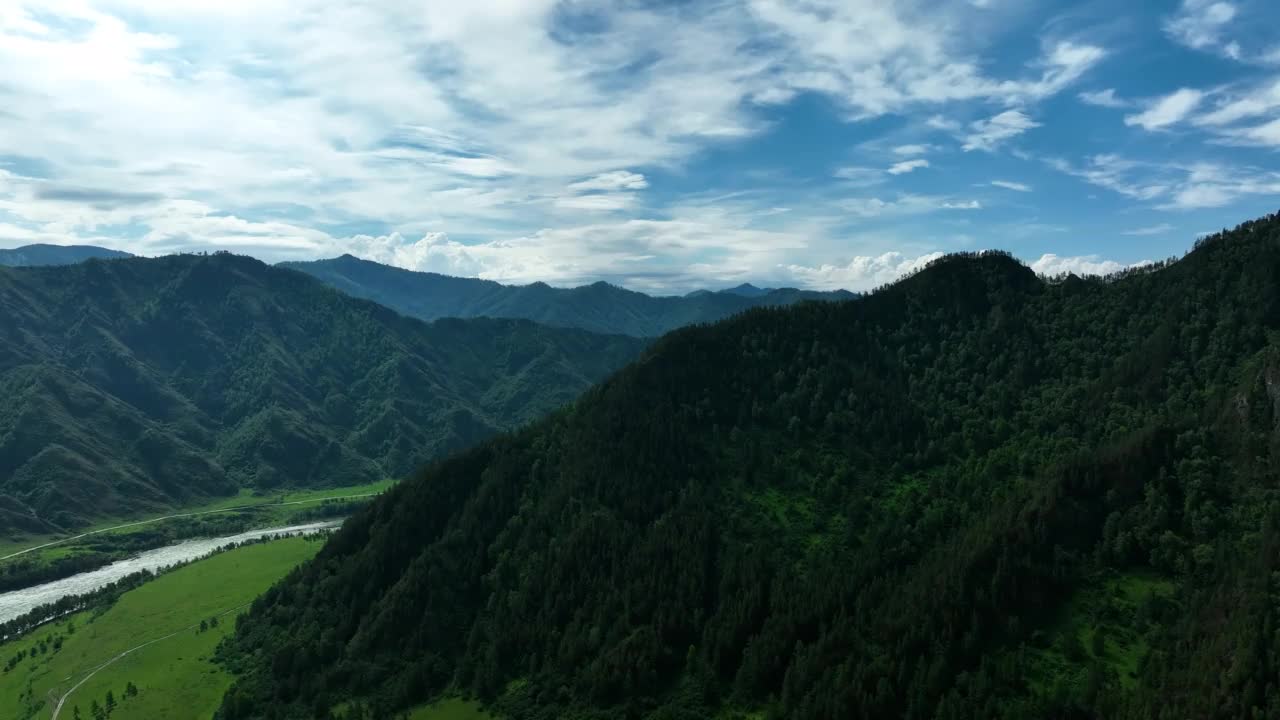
(19, 602)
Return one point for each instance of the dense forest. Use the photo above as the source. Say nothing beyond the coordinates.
(40, 254)
(139, 384)
(599, 307)
(975, 493)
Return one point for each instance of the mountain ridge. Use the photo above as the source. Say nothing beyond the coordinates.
(598, 307)
(919, 504)
(44, 254)
(139, 384)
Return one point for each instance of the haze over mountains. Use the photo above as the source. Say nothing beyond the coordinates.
(137, 384)
(925, 503)
(599, 307)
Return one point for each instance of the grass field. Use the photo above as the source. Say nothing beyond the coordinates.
(245, 498)
(228, 516)
(174, 676)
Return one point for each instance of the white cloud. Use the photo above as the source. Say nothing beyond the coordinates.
(597, 202)
(1104, 98)
(904, 205)
(856, 176)
(606, 192)
(938, 122)
(256, 124)
(1179, 186)
(1160, 229)
(907, 166)
(1051, 265)
(1265, 134)
(1199, 24)
(1224, 120)
(863, 272)
(1166, 111)
(612, 182)
(1010, 185)
(987, 134)
(1126, 177)
(880, 57)
(1209, 185)
(909, 150)
(1258, 101)
(1200, 196)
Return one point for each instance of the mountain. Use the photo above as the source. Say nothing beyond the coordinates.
(140, 384)
(973, 494)
(599, 307)
(748, 290)
(29, 255)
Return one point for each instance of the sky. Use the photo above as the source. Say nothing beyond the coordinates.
(659, 145)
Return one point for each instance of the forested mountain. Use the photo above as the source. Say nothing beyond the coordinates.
(56, 254)
(972, 494)
(600, 307)
(136, 384)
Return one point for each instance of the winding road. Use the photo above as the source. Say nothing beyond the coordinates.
(57, 709)
(180, 515)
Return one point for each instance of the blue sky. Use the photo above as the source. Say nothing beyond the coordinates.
(658, 145)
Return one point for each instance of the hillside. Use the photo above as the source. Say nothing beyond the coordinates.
(141, 384)
(31, 255)
(973, 494)
(599, 307)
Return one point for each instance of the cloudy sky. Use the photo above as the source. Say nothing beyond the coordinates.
(661, 145)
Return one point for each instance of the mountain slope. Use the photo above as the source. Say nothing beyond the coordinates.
(599, 307)
(974, 494)
(137, 384)
(30, 255)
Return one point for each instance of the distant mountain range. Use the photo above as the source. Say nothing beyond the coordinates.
(599, 307)
(29, 255)
(139, 384)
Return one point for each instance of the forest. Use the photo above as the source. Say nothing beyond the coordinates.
(136, 385)
(975, 493)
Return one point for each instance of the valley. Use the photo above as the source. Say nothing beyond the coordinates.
(150, 639)
(898, 506)
(639, 360)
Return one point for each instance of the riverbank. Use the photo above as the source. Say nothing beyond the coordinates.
(17, 603)
(149, 638)
(34, 560)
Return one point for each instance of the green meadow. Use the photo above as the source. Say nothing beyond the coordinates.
(268, 505)
(149, 639)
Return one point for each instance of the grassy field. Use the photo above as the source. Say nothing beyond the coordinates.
(227, 516)
(245, 498)
(174, 676)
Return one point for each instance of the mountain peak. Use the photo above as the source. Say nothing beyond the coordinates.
(746, 290)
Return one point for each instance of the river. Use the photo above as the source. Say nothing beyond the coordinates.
(19, 602)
